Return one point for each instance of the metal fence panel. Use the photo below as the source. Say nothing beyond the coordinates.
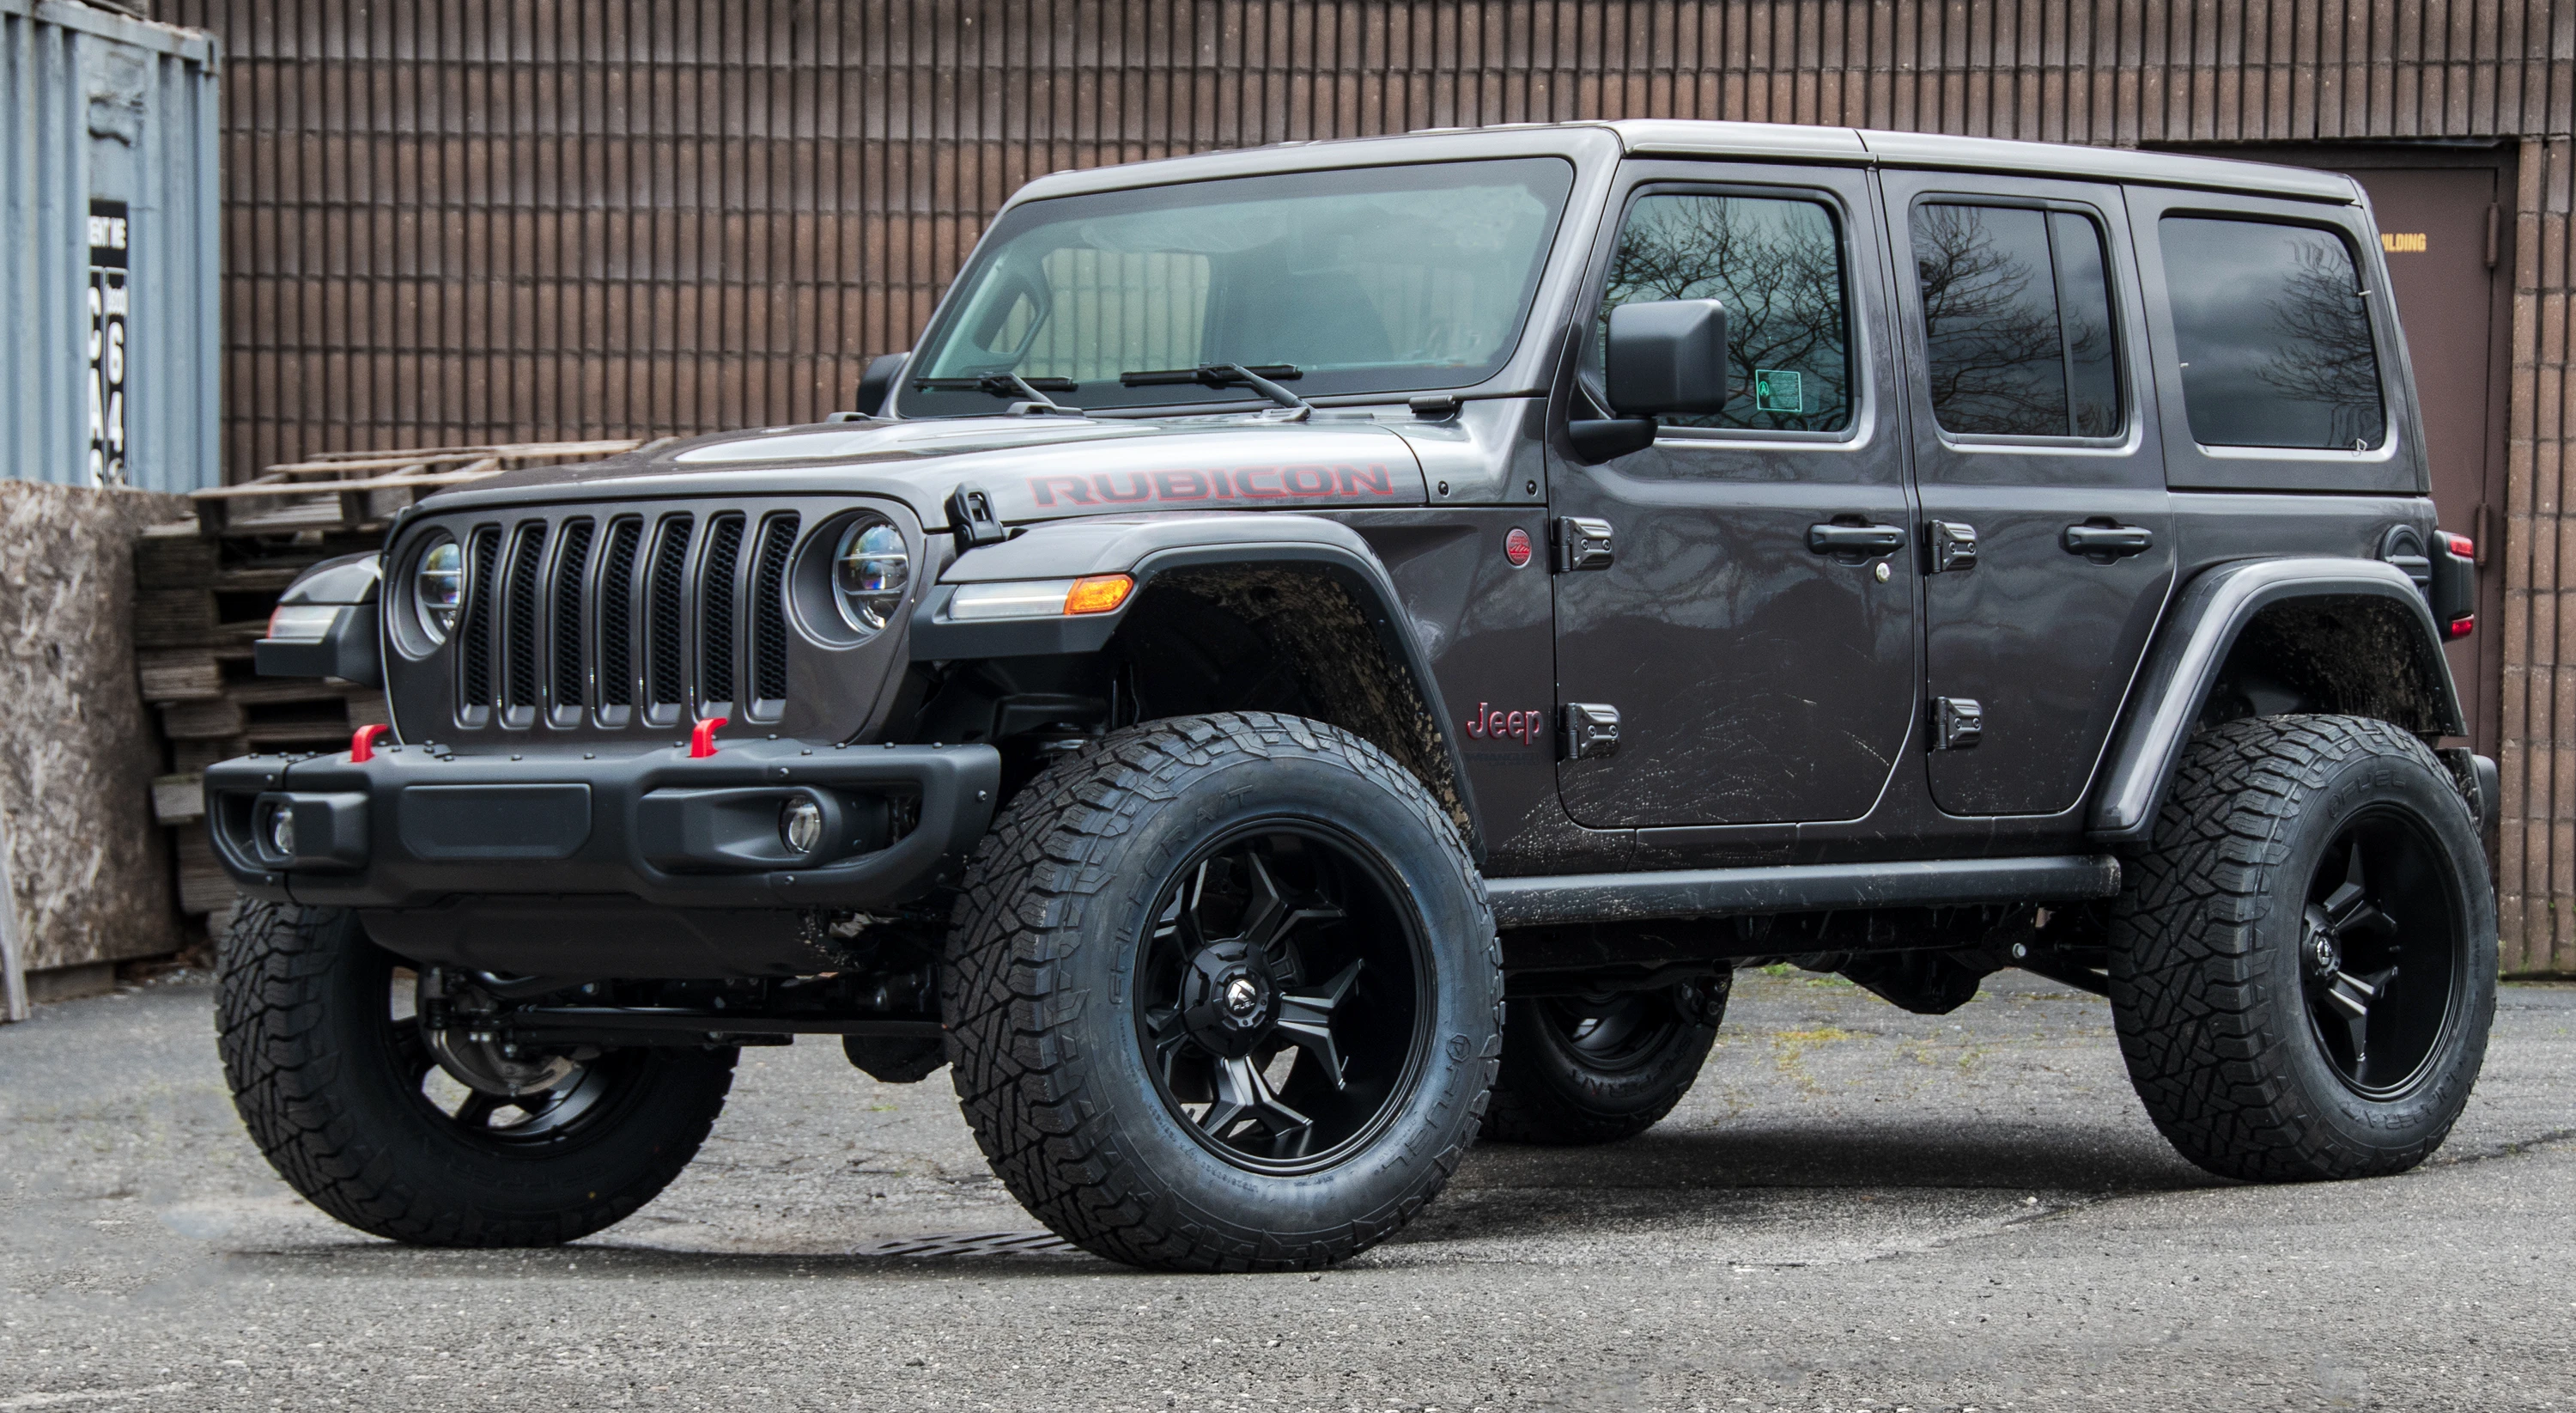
(110, 369)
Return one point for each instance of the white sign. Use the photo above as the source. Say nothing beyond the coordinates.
(109, 304)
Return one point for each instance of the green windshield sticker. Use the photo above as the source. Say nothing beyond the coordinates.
(1779, 390)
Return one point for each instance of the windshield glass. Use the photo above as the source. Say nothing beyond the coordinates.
(1378, 279)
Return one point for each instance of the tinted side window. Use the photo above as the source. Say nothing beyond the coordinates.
(1776, 263)
(2017, 321)
(2273, 335)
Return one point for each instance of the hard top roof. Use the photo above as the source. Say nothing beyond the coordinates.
(1690, 138)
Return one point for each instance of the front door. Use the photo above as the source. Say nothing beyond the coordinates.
(1754, 627)
(2048, 540)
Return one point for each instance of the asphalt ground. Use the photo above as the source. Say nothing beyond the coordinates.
(1855, 1208)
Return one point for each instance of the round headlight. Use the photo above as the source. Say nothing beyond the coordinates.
(871, 569)
(438, 588)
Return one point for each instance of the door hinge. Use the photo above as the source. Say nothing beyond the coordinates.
(1591, 731)
(1957, 723)
(1953, 546)
(1582, 543)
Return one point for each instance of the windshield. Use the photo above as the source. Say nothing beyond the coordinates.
(1378, 279)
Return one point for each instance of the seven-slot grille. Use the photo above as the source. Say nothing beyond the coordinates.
(626, 619)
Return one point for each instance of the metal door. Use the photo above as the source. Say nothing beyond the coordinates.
(2048, 541)
(1759, 653)
(2443, 232)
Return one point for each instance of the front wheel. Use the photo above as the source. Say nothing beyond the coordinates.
(1225, 994)
(436, 1138)
(2303, 964)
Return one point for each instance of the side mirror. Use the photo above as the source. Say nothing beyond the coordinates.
(877, 383)
(1661, 357)
(1666, 356)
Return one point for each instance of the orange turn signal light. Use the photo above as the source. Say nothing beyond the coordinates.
(1101, 593)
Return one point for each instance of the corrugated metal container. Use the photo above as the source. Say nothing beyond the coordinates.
(110, 367)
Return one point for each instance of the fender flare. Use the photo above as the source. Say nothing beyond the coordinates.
(1150, 545)
(2193, 647)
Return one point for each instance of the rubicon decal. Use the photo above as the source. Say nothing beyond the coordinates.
(1243, 483)
(1491, 723)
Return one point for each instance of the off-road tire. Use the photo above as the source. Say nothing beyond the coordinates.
(2205, 962)
(1553, 1091)
(1042, 968)
(316, 1075)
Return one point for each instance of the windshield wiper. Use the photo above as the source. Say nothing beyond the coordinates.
(1223, 375)
(1028, 390)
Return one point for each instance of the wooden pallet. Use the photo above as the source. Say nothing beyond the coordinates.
(203, 590)
(349, 491)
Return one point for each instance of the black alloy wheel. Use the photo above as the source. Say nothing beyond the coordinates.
(439, 1139)
(2303, 961)
(1282, 1000)
(1224, 994)
(2381, 953)
(499, 1102)
(1596, 1069)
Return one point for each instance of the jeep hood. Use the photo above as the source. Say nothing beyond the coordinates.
(1033, 467)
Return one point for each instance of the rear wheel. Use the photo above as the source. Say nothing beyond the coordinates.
(1595, 1070)
(1224, 994)
(2303, 966)
(435, 1138)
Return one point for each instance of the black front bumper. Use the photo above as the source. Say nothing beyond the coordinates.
(411, 828)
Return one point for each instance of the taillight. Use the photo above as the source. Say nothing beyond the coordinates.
(2455, 582)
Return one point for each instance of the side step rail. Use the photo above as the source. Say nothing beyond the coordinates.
(1799, 888)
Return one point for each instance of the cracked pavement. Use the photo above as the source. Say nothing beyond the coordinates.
(1856, 1208)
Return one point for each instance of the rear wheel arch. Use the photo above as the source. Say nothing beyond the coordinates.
(2344, 637)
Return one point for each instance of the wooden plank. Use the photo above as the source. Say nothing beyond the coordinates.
(181, 675)
(507, 449)
(179, 799)
(172, 617)
(189, 757)
(203, 720)
(204, 887)
(173, 561)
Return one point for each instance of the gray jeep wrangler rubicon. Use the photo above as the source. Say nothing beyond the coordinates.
(1327, 649)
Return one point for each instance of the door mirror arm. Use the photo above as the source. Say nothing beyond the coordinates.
(1596, 440)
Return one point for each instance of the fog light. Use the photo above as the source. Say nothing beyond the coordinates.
(281, 831)
(800, 824)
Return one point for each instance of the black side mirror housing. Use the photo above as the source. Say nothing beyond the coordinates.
(877, 383)
(1666, 356)
(1662, 357)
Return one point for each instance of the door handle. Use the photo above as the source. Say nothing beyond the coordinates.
(1867, 541)
(2108, 542)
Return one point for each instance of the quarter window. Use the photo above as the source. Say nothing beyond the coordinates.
(2016, 321)
(2273, 334)
(1777, 265)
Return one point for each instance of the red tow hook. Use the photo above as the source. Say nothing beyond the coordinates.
(702, 738)
(362, 743)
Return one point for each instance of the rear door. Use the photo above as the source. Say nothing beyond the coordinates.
(1763, 672)
(2048, 541)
